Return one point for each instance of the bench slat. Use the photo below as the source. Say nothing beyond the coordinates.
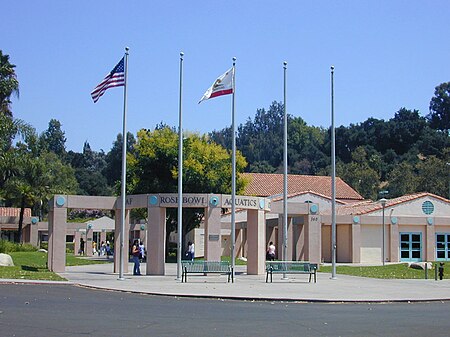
(290, 267)
(204, 267)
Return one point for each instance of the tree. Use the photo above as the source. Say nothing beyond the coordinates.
(113, 169)
(439, 116)
(53, 139)
(402, 180)
(153, 168)
(433, 175)
(360, 175)
(9, 85)
(37, 180)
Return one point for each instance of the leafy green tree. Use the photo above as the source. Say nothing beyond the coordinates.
(153, 168)
(439, 116)
(402, 180)
(54, 139)
(113, 169)
(9, 85)
(433, 176)
(89, 167)
(360, 175)
(37, 180)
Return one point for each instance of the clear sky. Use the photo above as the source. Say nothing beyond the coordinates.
(387, 54)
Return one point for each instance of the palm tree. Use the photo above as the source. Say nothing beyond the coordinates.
(9, 85)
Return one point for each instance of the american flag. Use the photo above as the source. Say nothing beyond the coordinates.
(116, 78)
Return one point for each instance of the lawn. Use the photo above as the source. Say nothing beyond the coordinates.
(390, 271)
(33, 266)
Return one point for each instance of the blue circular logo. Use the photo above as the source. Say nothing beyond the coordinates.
(142, 227)
(356, 219)
(89, 226)
(153, 200)
(34, 221)
(428, 207)
(313, 209)
(214, 201)
(60, 201)
(394, 220)
(261, 203)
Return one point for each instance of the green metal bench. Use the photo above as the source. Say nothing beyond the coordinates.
(291, 267)
(206, 267)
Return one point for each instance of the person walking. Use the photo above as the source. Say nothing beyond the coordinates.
(135, 252)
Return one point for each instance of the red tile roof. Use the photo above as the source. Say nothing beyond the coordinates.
(10, 211)
(370, 206)
(271, 184)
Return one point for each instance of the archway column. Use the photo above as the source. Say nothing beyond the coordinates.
(213, 237)
(57, 234)
(256, 225)
(126, 239)
(156, 241)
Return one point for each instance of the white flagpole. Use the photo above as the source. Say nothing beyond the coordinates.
(124, 167)
(233, 173)
(333, 182)
(180, 172)
(285, 176)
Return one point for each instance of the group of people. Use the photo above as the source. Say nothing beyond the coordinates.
(105, 248)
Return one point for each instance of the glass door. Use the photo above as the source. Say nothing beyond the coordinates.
(411, 247)
(442, 246)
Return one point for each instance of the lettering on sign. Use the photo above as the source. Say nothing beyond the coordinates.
(242, 202)
(128, 201)
(314, 218)
(191, 200)
(213, 237)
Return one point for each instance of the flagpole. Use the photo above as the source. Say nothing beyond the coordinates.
(180, 172)
(233, 173)
(285, 176)
(124, 167)
(333, 182)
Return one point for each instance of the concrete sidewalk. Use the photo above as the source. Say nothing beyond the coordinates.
(253, 287)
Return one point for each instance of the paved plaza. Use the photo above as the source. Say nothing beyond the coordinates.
(253, 287)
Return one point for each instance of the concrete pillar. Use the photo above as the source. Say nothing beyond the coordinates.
(76, 244)
(102, 237)
(239, 242)
(256, 257)
(156, 241)
(430, 244)
(290, 239)
(57, 238)
(394, 243)
(34, 233)
(213, 238)
(356, 243)
(88, 244)
(271, 236)
(313, 240)
(126, 244)
(299, 241)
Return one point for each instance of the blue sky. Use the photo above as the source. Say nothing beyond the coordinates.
(387, 55)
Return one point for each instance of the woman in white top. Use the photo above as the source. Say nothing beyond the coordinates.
(271, 252)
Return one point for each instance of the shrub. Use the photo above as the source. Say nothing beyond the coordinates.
(8, 247)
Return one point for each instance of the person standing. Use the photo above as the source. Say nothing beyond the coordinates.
(135, 252)
(191, 251)
(141, 251)
(271, 252)
(81, 251)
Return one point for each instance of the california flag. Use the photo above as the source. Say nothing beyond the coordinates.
(222, 86)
